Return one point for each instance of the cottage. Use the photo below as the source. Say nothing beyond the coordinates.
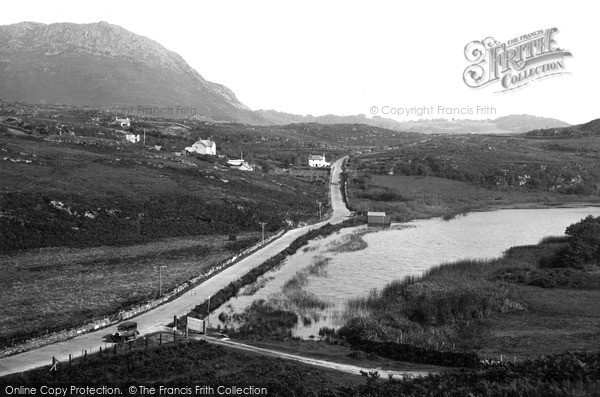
(124, 123)
(203, 146)
(133, 138)
(378, 219)
(318, 161)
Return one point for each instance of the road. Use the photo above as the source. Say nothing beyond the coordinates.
(352, 369)
(156, 319)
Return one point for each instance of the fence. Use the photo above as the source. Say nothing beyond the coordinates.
(111, 349)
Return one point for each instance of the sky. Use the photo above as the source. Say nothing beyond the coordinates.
(349, 57)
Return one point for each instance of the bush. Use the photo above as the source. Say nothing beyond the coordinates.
(584, 241)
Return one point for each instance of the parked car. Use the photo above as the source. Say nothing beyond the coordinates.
(125, 331)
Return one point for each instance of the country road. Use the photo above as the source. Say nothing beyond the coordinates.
(352, 369)
(158, 318)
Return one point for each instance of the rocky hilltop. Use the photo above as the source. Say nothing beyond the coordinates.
(100, 64)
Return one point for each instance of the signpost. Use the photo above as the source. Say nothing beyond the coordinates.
(196, 325)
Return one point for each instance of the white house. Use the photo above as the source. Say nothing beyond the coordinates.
(203, 146)
(133, 138)
(125, 123)
(318, 161)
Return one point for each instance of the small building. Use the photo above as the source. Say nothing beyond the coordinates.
(240, 164)
(124, 123)
(378, 219)
(203, 146)
(133, 138)
(318, 161)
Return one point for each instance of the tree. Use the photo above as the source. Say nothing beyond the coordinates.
(584, 241)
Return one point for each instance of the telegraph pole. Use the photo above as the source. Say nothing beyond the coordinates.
(160, 279)
(208, 315)
(262, 224)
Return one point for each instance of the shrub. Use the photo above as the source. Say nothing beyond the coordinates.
(584, 241)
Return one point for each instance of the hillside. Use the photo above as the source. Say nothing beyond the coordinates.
(523, 123)
(100, 64)
(87, 191)
(589, 129)
(444, 175)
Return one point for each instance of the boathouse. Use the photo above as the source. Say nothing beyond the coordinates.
(378, 219)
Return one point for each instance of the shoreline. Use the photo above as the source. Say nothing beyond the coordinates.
(513, 206)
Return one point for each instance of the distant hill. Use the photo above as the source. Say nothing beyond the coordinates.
(502, 125)
(100, 64)
(525, 122)
(591, 128)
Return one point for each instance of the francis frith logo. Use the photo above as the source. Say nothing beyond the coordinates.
(515, 63)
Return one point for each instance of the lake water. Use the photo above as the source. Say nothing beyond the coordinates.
(403, 250)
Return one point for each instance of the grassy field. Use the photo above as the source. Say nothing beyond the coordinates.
(56, 288)
(556, 320)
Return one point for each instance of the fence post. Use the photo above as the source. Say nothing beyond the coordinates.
(100, 351)
(85, 357)
(70, 358)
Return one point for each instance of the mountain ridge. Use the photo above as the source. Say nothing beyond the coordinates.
(102, 64)
(105, 65)
(513, 123)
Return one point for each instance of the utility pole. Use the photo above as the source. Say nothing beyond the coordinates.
(320, 204)
(263, 230)
(144, 137)
(160, 279)
(208, 315)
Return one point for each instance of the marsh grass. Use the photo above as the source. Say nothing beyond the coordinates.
(256, 286)
(294, 296)
(264, 320)
(430, 309)
(300, 279)
(310, 249)
(349, 243)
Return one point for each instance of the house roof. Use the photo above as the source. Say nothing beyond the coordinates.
(316, 157)
(204, 142)
(370, 213)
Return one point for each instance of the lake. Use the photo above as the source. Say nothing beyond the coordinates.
(406, 249)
